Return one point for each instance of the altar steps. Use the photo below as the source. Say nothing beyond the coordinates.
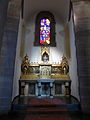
(45, 105)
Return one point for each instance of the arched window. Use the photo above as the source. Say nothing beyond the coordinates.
(45, 29)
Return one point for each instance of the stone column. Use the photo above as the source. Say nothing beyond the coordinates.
(21, 88)
(63, 89)
(3, 16)
(67, 89)
(81, 12)
(26, 89)
(39, 89)
(51, 89)
(8, 33)
(4, 88)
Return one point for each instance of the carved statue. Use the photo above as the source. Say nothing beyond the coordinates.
(45, 57)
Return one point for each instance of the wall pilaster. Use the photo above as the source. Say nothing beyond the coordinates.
(81, 12)
(8, 52)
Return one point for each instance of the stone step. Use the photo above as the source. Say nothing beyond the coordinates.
(37, 105)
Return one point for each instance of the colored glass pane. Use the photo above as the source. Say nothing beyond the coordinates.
(45, 31)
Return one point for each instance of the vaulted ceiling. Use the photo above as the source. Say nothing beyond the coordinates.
(60, 8)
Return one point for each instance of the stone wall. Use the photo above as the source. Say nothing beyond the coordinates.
(3, 13)
(8, 53)
(81, 11)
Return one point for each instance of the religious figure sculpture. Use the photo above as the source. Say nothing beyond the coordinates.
(45, 57)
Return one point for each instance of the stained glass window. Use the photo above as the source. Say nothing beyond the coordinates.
(45, 31)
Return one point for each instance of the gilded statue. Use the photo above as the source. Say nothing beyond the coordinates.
(25, 64)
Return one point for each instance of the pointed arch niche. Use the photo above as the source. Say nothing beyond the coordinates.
(45, 20)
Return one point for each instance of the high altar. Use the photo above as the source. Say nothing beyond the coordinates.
(44, 79)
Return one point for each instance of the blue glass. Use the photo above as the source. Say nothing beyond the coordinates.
(45, 31)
